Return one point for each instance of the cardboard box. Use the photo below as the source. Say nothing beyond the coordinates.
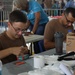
(70, 42)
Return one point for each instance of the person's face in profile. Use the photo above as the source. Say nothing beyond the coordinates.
(16, 29)
(68, 19)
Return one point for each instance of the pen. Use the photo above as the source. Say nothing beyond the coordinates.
(19, 63)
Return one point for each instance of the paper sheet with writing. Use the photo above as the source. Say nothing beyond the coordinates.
(65, 69)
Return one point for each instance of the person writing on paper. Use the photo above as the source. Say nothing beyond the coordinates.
(62, 24)
(11, 40)
(37, 18)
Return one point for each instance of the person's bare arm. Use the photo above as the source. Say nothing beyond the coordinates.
(49, 35)
(74, 72)
(48, 44)
(14, 50)
(4, 53)
(37, 19)
(27, 24)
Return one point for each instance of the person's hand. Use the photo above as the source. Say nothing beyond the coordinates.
(24, 50)
(32, 32)
(19, 50)
(27, 33)
(15, 50)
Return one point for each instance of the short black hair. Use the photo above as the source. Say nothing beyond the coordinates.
(70, 10)
(17, 16)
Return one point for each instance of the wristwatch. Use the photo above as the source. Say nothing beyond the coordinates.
(32, 32)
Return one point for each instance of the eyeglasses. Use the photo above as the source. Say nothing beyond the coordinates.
(68, 20)
(18, 30)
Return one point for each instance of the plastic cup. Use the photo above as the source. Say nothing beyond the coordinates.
(59, 43)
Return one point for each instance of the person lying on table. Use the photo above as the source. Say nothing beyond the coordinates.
(62, 24)
(11, 40)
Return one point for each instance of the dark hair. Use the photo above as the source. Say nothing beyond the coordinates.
(17, 16)
(70, 10)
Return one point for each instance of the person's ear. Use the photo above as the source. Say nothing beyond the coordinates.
(62, 14)
(9, 24)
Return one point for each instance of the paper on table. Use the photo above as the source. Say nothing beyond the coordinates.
(65, 69)
(69, 63)
(51, 59)
(25, 73)
(64, 45)
(43, 72)
(54, 67)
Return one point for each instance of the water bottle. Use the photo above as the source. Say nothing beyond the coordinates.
(59, 42)
(0, 67)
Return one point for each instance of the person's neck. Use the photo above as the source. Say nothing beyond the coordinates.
(61, 21)
(9, 35)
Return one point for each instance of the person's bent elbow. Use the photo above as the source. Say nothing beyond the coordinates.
(48, 45)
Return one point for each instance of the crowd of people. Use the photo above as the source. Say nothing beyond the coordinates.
(30, 15)
(57, 6)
